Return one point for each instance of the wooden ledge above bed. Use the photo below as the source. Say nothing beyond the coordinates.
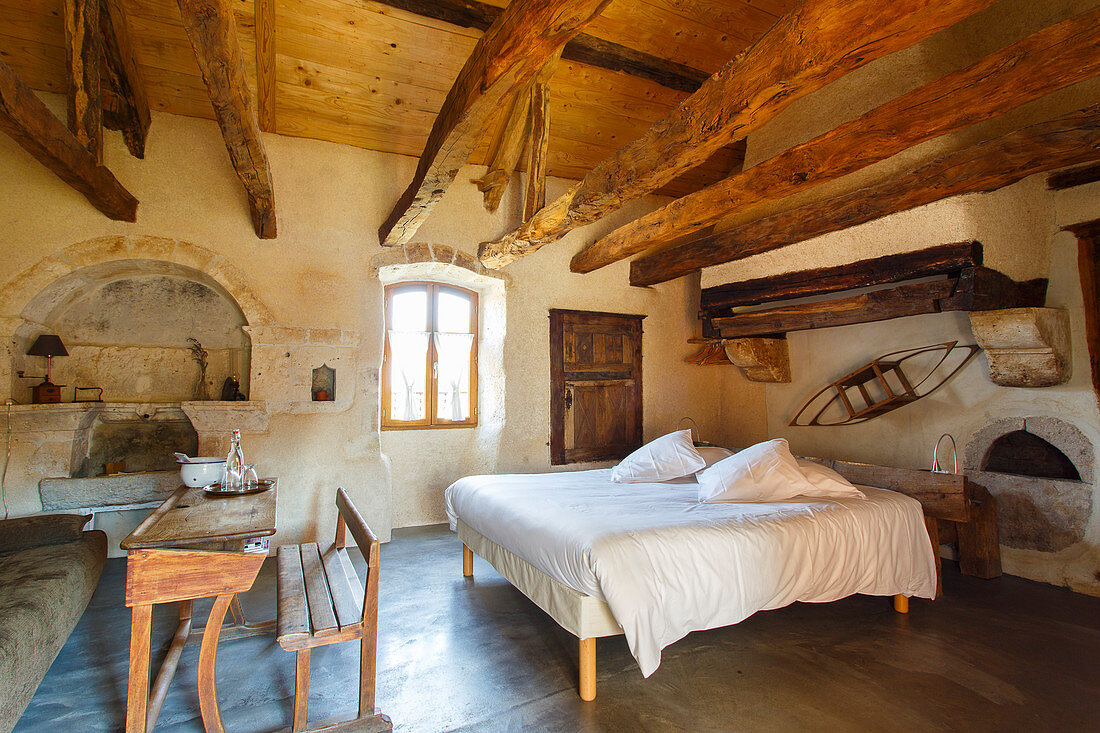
(950, 277)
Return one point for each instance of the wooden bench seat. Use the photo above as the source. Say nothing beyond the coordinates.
(321, 601)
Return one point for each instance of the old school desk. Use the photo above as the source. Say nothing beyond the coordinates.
(190, 547)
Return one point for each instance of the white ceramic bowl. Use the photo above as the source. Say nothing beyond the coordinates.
(202, 471)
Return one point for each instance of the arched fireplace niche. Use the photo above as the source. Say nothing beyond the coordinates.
(1041, 471)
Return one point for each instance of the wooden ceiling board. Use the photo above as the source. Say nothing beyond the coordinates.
(361, 73)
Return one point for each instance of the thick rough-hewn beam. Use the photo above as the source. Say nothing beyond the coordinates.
(814, 44)
(505, 150)
(584, 49)
(130, 111)
(538, 148)
(525, 36)
(30, 123)
(81, 20)
(213, 33)
(1051, 59)
(1068, 140)
(1073, 177)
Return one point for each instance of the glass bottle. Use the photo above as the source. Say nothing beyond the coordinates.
(234, 463)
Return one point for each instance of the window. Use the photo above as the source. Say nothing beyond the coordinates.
(429, 371)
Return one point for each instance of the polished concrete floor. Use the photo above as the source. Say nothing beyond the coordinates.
(475, 655)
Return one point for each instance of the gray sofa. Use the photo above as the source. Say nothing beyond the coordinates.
(49, 567)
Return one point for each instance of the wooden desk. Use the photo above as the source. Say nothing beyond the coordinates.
(189, 548)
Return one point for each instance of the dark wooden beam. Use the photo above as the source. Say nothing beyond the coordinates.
(81, 21)
(128, 111)
(584, 49)
(1088, 267)
(1073, 177)
(814, 44)
(525, 36)
(30, 123)
(945, 259)
(1051, 59)
(213, 34)
(1068, 140)
(976, 288)
(265, 63)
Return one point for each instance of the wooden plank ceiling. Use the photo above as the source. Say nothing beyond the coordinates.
(366, 74)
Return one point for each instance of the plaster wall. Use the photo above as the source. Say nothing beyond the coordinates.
(311, 296)
(1019, 227)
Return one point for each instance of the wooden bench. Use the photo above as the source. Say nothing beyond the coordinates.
(321, 601)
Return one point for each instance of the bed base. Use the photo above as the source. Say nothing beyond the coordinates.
(583, 626)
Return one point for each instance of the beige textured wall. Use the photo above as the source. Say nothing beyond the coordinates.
(316, 275)
(1019, 227)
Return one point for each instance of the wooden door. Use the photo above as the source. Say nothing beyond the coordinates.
(595, 385)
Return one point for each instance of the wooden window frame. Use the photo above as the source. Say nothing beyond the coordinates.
(430, 421)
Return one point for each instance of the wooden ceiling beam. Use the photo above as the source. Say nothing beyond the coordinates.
(584, 49)
(128, 111)
(81, 21)
(30, 123)
(538, 148)
(213, 34)
(1051, 59)
(1074, 177)
(814, 44)
(524, 37)
(1068, 140)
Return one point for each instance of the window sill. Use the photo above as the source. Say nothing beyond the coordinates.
(430, 427)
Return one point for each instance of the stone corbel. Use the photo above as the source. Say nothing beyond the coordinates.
(760, 359)
(214, 421)
(1025, 347)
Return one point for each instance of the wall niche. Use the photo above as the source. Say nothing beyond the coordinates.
(127, 325)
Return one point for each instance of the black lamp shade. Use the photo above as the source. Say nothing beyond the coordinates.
(47, 345)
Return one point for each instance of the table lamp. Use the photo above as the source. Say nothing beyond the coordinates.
(49, 346)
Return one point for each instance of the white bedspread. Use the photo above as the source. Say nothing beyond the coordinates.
(668, 565)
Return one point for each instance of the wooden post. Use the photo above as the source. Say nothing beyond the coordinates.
(82, 53)
(933, 526)
(588, 669)
(301, 689)
(467, 562)
(979, 540)
(137, 692)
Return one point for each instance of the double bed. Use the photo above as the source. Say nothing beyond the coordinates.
(649, 561)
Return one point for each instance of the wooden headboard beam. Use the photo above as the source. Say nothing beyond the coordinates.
(943, 495)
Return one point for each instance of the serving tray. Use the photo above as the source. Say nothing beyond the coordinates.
(262, 485)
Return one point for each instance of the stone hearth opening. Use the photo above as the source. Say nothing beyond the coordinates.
(1021, 453)
(144, 440)
(1040, 469)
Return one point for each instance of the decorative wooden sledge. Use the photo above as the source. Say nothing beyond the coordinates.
(875, 377)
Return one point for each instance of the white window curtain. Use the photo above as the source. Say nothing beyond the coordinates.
(453, 375)
(408, 354)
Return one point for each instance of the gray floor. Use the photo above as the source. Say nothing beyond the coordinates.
(456, 654)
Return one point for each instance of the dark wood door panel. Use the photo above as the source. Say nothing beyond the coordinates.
(596, 389)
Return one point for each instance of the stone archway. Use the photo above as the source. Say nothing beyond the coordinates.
(29, 298)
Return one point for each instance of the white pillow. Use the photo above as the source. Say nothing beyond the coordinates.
(668, 457)
(827, 483)
(764, 472)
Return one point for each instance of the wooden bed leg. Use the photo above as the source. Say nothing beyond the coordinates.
(901, 603)
(588, 669)
(467, 562)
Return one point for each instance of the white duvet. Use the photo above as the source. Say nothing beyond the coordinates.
(668, 565)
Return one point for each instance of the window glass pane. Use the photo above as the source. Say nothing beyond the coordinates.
(409, 309)
(408, 338)
(408, 357)
(453, 375)
(453, 311)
